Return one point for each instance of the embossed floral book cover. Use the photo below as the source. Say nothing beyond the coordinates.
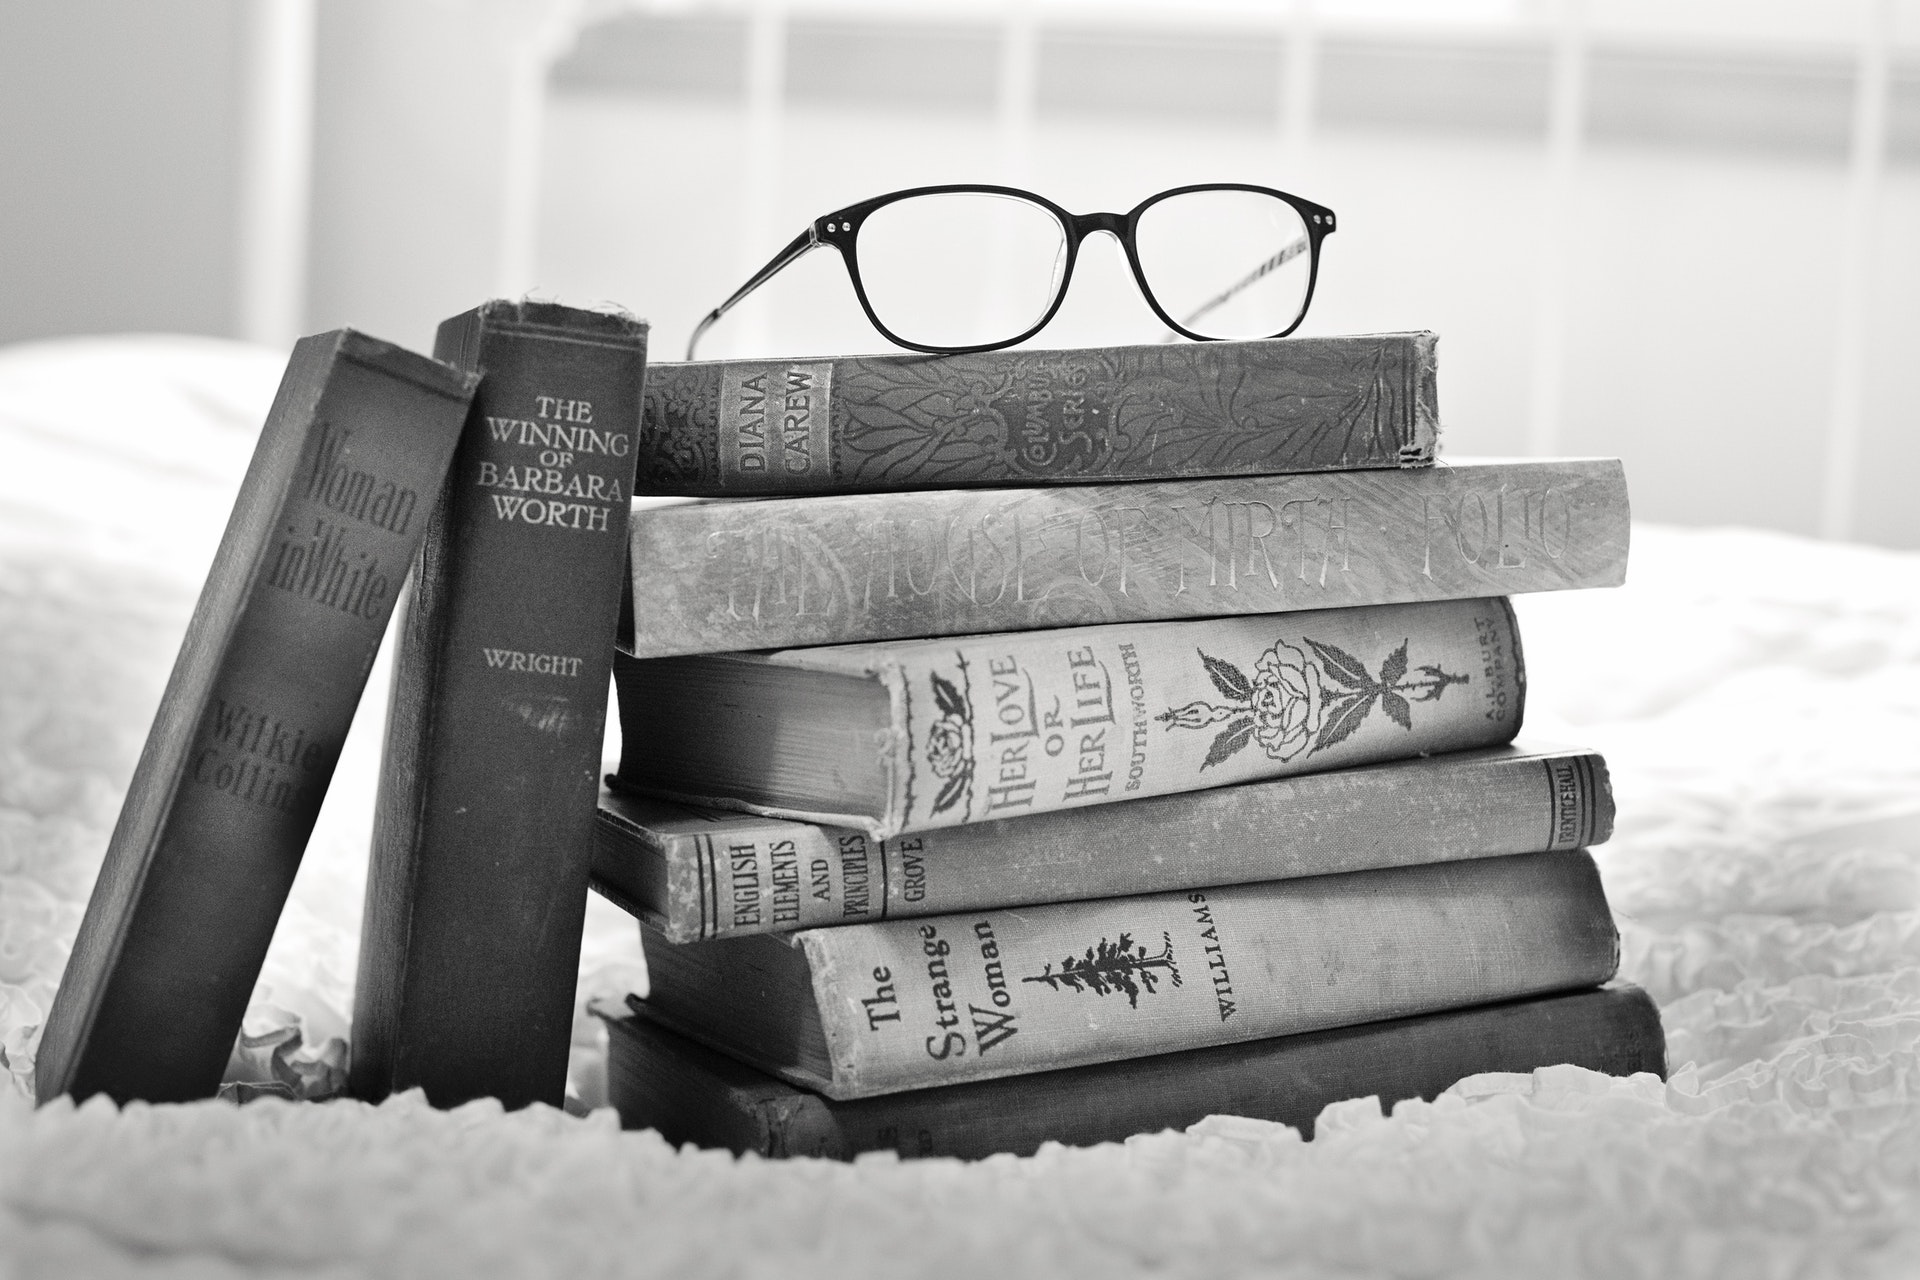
(878, 423)
(914, 735)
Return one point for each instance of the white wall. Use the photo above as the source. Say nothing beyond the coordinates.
(1692, 253)
(409, 124)
(119, 165)
(1656, 270)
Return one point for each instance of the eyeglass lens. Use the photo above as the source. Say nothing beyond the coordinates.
(1225, 264)
(957, 269)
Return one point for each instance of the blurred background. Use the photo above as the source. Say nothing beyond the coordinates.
(1684, 232)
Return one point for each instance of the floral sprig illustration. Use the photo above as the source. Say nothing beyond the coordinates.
(1296, 705)
(1113, 966)
(949, 749)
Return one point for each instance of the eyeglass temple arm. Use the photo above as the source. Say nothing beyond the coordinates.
(808, 239)
(1288, 252)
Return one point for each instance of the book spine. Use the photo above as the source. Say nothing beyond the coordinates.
(1001, 726)
(780, 573)
(692, 1094)
(243, 746)
(476, 889)
(889, 422)
(908, 1004)
(736, 874)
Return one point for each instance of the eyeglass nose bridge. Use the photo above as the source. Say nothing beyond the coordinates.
(1082, 225)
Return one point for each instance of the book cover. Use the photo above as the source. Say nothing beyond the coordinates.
(250, 725)
(715, 576)
(477, 886)
(696, 873)
(658, 1079)
(1156, 411)
(868, 1009)
(911, 735)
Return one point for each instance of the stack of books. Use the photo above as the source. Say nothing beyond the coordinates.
(1094, 741)
(1062, 745)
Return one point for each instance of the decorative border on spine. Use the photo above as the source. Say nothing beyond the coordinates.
(708, 874)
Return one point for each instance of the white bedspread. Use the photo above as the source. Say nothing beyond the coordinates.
(1758, 698)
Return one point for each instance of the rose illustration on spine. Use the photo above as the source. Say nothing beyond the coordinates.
(1297, 705)
(1287, 702)
(946, 747)
(949, 743)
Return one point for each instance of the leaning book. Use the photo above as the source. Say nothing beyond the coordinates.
(243, 747)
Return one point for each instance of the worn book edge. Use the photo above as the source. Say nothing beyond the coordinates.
(897, 664)
(828, 1055)
(828, 571)
(686, 860)
(391, 1005)
(743, 1108)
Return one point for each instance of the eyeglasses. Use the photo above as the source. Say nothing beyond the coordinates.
(962, 268)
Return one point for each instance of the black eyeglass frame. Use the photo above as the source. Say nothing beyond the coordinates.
(841, 230)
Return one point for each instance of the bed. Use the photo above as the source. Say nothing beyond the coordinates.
(1757, 696)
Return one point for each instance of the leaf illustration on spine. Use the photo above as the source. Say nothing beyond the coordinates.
(951, 793)
(1396, 706)
(1344, 717)
(1395, 666)
(1228, 741)
(948, 698)
(1341, 665)
(1227, 678)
